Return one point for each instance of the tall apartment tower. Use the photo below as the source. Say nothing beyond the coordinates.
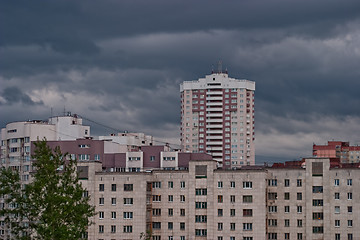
(217, 117)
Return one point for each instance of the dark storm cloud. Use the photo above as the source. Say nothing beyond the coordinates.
(15, 95)
(121, 62)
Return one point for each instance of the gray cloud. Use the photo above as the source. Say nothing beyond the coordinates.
(121, 63)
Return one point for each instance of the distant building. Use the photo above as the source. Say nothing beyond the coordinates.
(338, 149)
(16, 139)
(217, 117)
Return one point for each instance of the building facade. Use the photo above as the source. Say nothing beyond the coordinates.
(217, 117)
(338, 149)
(313, 199)
(16, 139)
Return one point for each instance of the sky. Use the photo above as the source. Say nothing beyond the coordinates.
(120, 63)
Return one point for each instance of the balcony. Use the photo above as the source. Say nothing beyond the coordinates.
(214, 115)
(214, 131)
(214, 142)
(218, 120)
(214, 137)
(213, 149)
(214, 104)
(213, 98)
(214, 126)
(214, 109)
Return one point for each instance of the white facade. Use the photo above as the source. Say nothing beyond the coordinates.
(217, 117)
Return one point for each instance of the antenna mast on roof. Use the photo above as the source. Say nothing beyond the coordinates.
(220, 66)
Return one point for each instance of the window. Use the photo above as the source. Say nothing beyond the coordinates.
(350, 223)
(113, 215)
(317, 189)
(349, 209)
(232, 198)
(170, 212)
(113, 229)
(220, 198)
(247, 212)
(287, 223)
(101, 201)
(182, 226)
(101, 215)
(199, 205)
(232, 212)
(337, 236)
(182, 198)
(318, 216)
(298, 182)
(299, 236)
(170, 225)
(200, 191)
(247, 238)
(247, 185)
(349, 182)
(128, 215)
(182, 184)
(201, 218)
(182, 237)
(152, 158)
(101, 187)
(247, 199)
(287, 196)
(337, 196)
(101, 228)
(156, 198)
(272, 222)
(272, 195)
(299, 196)
(97, 157)
(127, 229)
(156, 225)
(272, 182)
(318, 202)
(113, 201)
(272, 209)
(171, 198)
(299, 222)
(220, 226)
(220, 212)
(287, 209)
(232, 227)
(200, 232)
(299, 209)
(318, 229)
(350, 236)
(272, 236)
(232, 184)
(113, 187)
(156, 184)
(182, 212)
(128, 187)
(128, 201)
(337, 223)
(336, 182)
(156, 212)
(337, 209)
(349, 195)
(170, 184)
(286, 235)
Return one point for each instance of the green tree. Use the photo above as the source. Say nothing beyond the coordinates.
(53, 205)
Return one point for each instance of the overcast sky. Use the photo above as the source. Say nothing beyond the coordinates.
(120, 63)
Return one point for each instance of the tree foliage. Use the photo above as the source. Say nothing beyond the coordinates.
(53, 205)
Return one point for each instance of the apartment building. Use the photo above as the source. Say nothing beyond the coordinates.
(338, 149)
(309, 199)
(16, 139)
(217, 117)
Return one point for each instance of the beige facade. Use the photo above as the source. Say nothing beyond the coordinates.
(309, 202)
